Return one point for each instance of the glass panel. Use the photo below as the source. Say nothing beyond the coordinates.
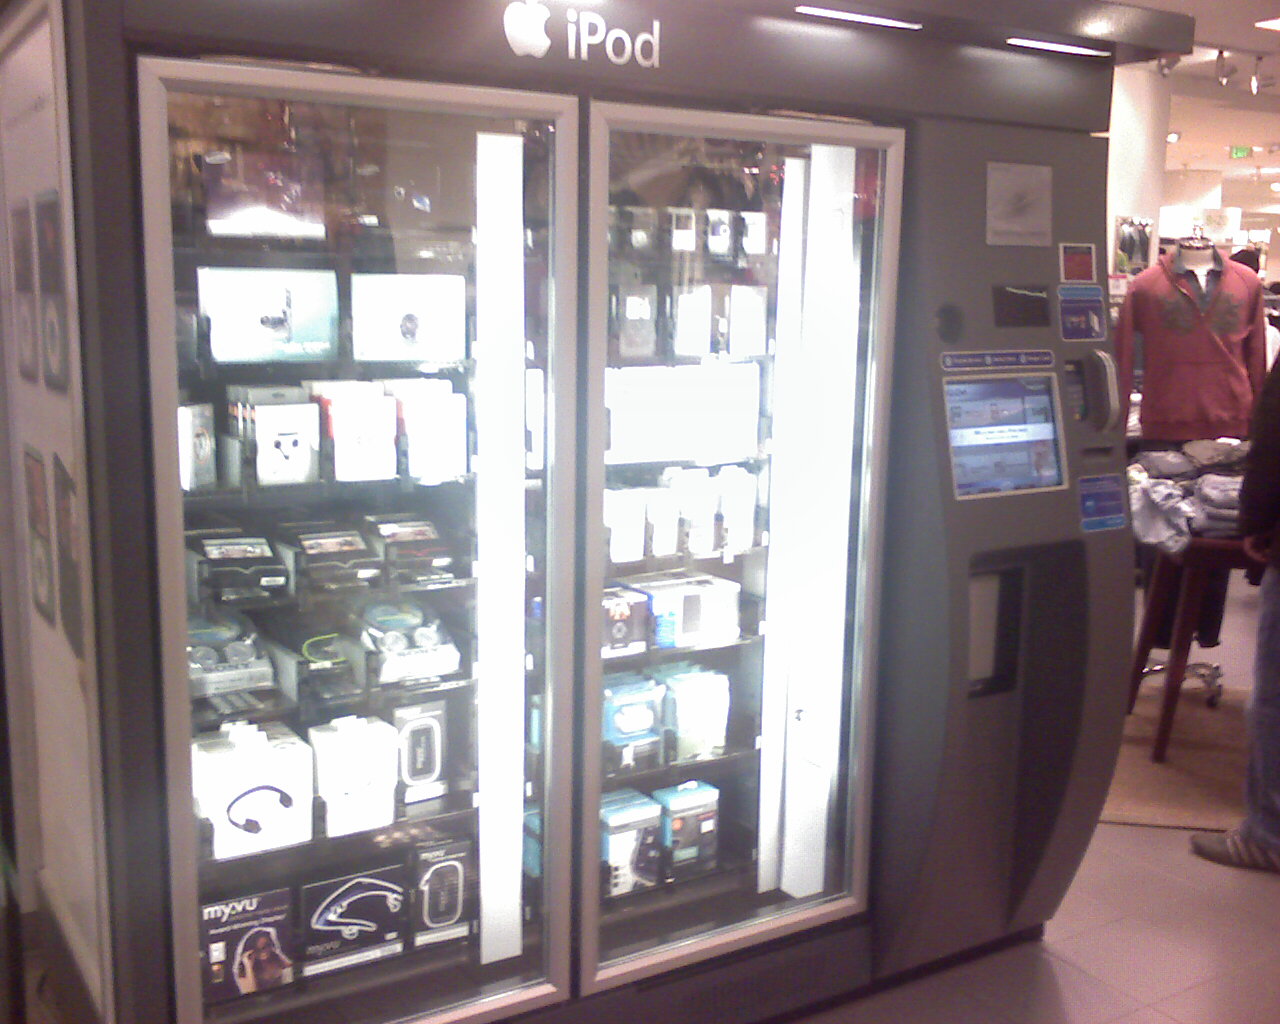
(362, 299)
(740, 303)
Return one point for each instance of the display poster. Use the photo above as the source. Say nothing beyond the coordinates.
(45, 586)
(1077, 262)
(1082, 312)
(1019, 204)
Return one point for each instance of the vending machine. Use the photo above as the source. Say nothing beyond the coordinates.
(591, 511)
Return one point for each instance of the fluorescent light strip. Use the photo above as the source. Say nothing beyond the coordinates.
(861, 19)
(1040, 44)
(1271, 24)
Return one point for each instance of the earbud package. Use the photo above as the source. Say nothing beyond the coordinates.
(254, 784)
(630, 843)
(695, 710)
(433, 421)
(362, 421)
(247, 945)
(626, 622)
(632, 722)
(356, 768)
(447, 891)
(690, 826)
(422, 730)
(354, 919)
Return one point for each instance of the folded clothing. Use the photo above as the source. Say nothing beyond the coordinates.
(1217, 454)
(1219, 491)
(1167, 465)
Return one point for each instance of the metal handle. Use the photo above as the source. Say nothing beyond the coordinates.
(1111, 377)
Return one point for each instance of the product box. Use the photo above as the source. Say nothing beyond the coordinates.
(683, 227)
(635, 321)
(197, 451)
(355, 919)
(697, 495)
(433, 423)
(694, 333)
(748, 320)
(695, 711)
(690, 818)
(286, 443)
(409, 317)
(662, 516)
(630, 842)
(755, 233)
(632, 722)
(223, 655)
(624, 518)
(316, 665)
(361, 422)
(247, 945)
(412, 549)
(254, 785)
(233, 568)
(690, 609)
(356, 767)
(531, 857)
(265, 315)
(410, 640)
(721, 240)
(422, 731)
(626, 623)
(326, 557)
(738, 493)
(447, 891)
(535, 414)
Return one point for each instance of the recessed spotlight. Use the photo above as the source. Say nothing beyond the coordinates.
(1275, 186)
(1041, 44)
(861, 19)
(1173, 137)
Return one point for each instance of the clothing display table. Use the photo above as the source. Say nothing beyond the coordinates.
(1196, 560)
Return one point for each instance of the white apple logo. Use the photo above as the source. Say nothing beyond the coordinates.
(525, 22)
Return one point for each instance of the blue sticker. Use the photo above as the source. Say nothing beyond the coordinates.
(1104, 503)
(1082, 312)
(1008, 359)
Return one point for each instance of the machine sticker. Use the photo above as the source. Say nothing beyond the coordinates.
(1005, 359)
(1082, 312)
(1076, 261)
(1020, 305)
(1103, 500)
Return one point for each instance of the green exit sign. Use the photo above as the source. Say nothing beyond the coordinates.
(1241, 152)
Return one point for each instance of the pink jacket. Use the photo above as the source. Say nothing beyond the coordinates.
(1201, 367)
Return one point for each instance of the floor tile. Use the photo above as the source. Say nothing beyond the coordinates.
(1248, 995)
(1147, 1015)
(931, 1000)
(1028, 985)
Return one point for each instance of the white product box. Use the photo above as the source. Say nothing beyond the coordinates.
(698, 496)
(356, 766)
(755, 233)
(738, 495)
(264, 315)
(748, 320)
(254, 784)
(362, 420)
(662, 514)
(708, 413)
(630, 841)
(720, 233)
(288, 443)
(197, 452)
(434, 420)
(693, 328)
(624, 518)
(409, 317)
(690, 609)
(421, 729)
(684, 229)
(637, 321)
(696, 710)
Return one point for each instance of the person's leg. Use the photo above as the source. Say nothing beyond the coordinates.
(1256, 842)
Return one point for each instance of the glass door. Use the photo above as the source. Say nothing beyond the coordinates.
(741, 297)
(360, 302)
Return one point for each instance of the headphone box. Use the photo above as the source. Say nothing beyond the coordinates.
(632, 722)
(233, 567)
(423, 749)
(690, 833)
(630, 845)
(197, 452)
(354, 919)
(447, 891)
(247, 945)
(409, 317)
(356, 766)
(626, 623)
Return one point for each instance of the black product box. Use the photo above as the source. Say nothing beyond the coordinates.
(353, 920)
(412, 548)
(247, 945)
(447, 893)
(233, 568)
(328, 557)
(317, 666)
(626, 622)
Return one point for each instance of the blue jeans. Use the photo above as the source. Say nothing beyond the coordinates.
(1262, 790)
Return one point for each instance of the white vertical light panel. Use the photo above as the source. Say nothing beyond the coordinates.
(785, 474)
(809, 521)
(500, 533)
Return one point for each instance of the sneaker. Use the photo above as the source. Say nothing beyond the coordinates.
(1235, 851)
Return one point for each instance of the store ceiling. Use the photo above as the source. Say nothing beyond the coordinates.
(1213, 118)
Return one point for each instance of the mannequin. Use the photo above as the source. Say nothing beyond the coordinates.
(1196, 254)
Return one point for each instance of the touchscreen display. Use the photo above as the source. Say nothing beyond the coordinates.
(1004, 434)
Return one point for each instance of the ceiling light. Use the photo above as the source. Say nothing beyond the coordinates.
(1253, 79)
(1040, 44)
(861, 19)
(1167, 63)
(1275, 186)
(1272, 24)
(1173, 137)
(1221, 69)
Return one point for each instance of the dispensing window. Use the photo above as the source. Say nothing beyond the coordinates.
(995, 631)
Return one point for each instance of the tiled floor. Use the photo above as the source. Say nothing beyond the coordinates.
(1148, 933)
